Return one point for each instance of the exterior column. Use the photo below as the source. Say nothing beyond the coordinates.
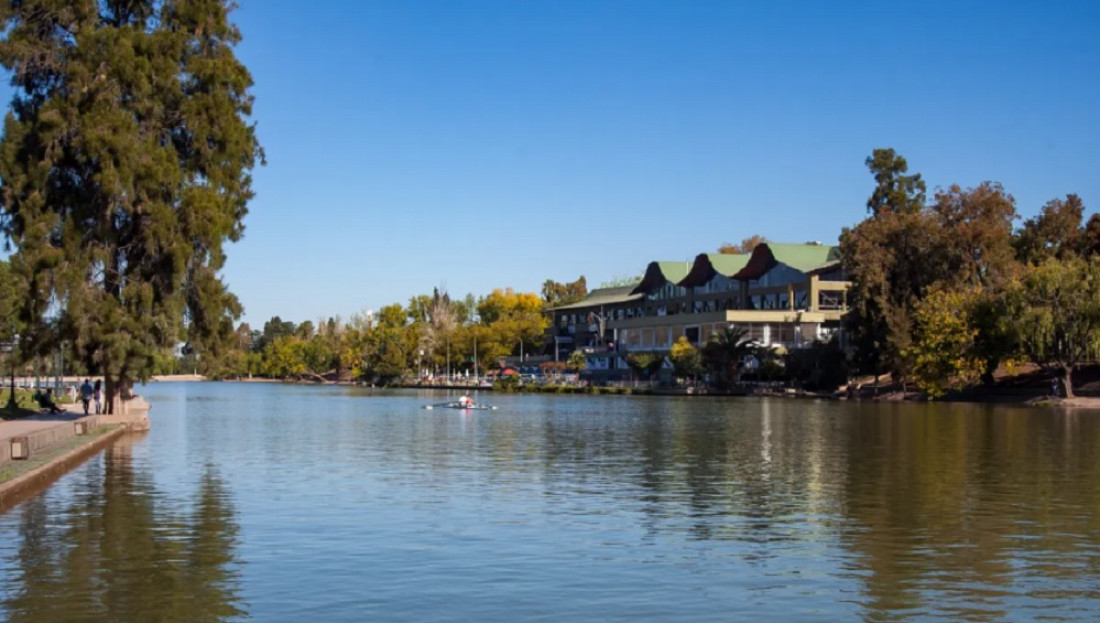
(815, 297)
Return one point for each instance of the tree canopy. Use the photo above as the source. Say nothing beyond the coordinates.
(124, 169)
(555, 293)
(894, 191)
(745, 246)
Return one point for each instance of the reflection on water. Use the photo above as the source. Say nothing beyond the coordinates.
(108, 548)
(287, 503)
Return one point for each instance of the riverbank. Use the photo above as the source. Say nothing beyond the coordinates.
(178, 377)
(37, 450)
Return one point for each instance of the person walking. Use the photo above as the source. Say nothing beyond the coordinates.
(97, 394)
(86, 394)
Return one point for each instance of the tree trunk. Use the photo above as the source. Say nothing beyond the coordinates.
(114, 391)
(110, 393)
(1068, 380)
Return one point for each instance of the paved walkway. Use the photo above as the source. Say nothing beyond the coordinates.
(35, 423)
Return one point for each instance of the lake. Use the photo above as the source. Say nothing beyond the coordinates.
(290, 503)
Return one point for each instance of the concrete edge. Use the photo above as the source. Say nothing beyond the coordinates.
(16, 489)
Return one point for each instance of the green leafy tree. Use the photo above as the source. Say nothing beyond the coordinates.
(821, 366)
(388, 354)
(943, 350)
(894, 191)
(644, 363)
(724, 355)
(993, 315)
(686, 358)
(274, 328)
(305, 330)
(895, 256)
(283, 357)
(577, 362)
(124, 169)
(1057, 232)
(1060, 320)
(884, 285)
(1091, 243)
(392, 316)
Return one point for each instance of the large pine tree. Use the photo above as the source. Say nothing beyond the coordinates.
(124, 168)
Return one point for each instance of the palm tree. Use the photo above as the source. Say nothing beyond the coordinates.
(725, 353)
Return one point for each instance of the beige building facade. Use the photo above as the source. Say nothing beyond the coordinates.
(784, 295)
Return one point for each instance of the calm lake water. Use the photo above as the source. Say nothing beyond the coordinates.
(286, 503)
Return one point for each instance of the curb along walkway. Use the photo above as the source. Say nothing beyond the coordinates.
(55, 444)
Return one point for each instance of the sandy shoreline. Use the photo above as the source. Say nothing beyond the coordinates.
(177, 377)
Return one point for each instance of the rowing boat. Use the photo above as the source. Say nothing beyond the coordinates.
(458, 405)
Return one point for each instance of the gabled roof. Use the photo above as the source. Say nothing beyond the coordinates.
(602, 296)
(707, 265)
(658, 273)
(806, 258)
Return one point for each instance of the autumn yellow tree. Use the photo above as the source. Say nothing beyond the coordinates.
(686, 358)
(943, 352)
(515, 319)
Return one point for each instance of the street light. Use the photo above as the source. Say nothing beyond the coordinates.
(11, 350)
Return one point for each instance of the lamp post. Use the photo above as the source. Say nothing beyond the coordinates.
(11, 350)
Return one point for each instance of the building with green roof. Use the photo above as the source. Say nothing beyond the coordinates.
(785, 295)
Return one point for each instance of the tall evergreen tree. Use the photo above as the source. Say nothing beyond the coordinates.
(894, 191)
(124, 168)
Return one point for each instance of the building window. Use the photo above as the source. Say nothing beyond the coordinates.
(692, 334)
(660, 337)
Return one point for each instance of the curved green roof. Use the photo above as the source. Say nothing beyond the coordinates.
(658, 273)
(804, 257)
(807, 258)
(707, 265)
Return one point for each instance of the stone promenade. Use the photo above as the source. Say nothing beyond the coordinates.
(46, 446)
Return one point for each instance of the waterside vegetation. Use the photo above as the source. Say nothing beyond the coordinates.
(121, 183)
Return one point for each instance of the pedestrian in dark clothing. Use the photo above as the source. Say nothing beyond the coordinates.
(86, 394)
(46, 401)
(97, 393)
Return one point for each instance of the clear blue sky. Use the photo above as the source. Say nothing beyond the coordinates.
(477, 145)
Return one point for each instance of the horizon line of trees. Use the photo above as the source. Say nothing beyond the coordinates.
(944, 292)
